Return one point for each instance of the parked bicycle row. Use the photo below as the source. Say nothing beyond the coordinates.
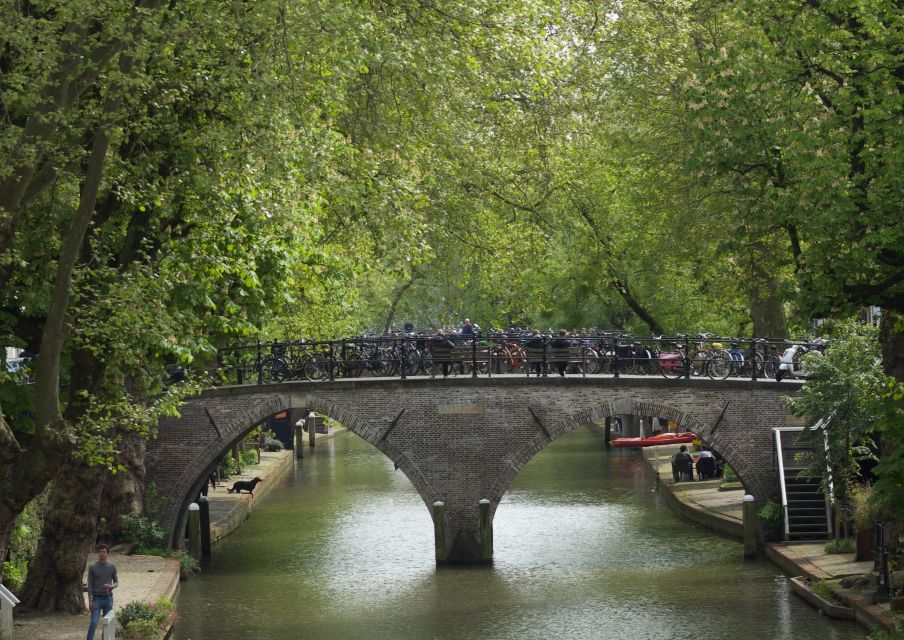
(531, 353)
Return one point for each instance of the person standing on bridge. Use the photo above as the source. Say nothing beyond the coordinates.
(467, 329)
(102, 580)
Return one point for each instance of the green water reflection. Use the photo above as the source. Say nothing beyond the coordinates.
(584, 548)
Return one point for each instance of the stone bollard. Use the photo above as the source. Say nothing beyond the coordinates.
(311, 423)
(297, 440)
(486, 532)
(750, 522)
(194, 530)
(439, 530)
(205, 526)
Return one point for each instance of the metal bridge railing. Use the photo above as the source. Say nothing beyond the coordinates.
(410, 355)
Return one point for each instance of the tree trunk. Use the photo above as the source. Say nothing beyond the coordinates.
(395, 303)
(767, 311)
(54, 581)
(124, 491)
(766, 308)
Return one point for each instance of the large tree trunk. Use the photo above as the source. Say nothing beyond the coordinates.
(767, 311)
(54, 581)
(124, 491)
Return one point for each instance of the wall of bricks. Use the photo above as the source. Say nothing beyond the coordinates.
(460, 440)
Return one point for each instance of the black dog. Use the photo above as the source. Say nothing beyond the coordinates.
(244, 485)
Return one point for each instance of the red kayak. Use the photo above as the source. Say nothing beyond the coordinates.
(662, 438)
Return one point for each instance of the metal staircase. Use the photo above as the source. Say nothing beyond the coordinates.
(807, 510)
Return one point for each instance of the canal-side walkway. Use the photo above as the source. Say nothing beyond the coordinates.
(147, 578)
(707, 504)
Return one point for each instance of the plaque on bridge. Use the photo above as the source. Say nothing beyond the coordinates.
(459, 409)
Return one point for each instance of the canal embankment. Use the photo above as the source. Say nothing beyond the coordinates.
(708, 504)
(148, 578)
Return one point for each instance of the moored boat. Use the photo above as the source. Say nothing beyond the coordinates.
(662, 438)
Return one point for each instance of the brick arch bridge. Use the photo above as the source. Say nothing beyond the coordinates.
(462, 440)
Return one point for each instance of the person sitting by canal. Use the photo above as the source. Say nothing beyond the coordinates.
(102, 580)
(535, 343)
(706, 465)
(442, 348)
(561, 342)
(683, 465)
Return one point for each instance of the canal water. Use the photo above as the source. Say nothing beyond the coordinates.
(585, 547)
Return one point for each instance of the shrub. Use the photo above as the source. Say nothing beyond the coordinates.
(840, 545)
(144, 532)
(821, 588)
(164, 612)
(135, 610)
(188, 564)
(249, 457)
(141, 630)
(273, 444)
(13, 575)
(772, 519)
(228, 466)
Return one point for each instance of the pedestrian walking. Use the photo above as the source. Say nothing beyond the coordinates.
(102, 580)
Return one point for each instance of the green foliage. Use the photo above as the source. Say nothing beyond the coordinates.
(844, 390)
(889, 489)
(249, 457)
(273, 444)
(23, 543)
(165, 613)
(227, 466)
(895, 634)
(144, 532)
(821, 588)
(772, 519)
(188, 564)
(141, 629)
(14, 574)
(135, 610)
(840, 545)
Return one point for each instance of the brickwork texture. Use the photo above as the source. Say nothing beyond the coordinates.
(461, 440)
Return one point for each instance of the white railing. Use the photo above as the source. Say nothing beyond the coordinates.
(8, 602)
(108, 626)
(781, 475)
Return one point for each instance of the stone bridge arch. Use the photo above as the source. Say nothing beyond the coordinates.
(188, 447)
(460, 441)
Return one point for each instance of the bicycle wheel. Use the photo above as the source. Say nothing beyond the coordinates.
(718, 367)
(315, 367)
(590, 362)
(353, 365)
(770, 367)
(672, 368)
(412, 361)
(274, 369)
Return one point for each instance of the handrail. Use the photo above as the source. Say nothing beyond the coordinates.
(408, 355)
(781, 475)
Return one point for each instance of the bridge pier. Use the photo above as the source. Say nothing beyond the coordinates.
(466, 545)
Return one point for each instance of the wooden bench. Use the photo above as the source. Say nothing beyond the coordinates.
(552, 356)
(462, 355)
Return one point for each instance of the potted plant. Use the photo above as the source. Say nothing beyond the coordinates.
(865, 515)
